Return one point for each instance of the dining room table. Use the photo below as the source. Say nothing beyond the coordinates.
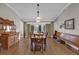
(38, 42)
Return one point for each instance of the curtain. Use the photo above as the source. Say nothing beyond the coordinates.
(32, 28)
(39, 28)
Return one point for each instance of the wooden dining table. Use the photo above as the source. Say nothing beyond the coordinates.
(38, 42)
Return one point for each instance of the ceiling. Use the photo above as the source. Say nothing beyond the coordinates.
(28, 11)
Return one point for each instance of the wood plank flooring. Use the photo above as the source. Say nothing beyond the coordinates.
(22, 48)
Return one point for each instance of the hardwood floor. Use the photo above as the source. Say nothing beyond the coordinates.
(22, 48)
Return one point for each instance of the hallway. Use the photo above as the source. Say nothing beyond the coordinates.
(22, 48)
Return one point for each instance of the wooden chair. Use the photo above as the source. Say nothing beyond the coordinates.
(38, 44)
(1, 44)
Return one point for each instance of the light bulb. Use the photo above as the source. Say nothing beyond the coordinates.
(38, 18)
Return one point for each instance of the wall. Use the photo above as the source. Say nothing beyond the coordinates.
(71, 12)
(8, 13)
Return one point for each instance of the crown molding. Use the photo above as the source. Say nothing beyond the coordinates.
(61, 11)
(14, 10)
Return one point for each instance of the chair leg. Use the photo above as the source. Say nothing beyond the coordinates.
(1, 46)
(44, 47)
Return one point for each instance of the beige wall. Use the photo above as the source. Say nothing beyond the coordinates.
(71, 12)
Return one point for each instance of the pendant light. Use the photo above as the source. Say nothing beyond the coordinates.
(38, 17)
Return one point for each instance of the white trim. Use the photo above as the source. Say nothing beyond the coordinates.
(40, 23)
(61, 11)
(13, 9)
(73, 46)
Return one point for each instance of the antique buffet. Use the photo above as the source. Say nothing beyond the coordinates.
(8, 34)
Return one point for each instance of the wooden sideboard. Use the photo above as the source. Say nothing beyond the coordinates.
(9, 39)
(8, 34)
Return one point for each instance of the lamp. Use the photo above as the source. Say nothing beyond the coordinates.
(38, 17)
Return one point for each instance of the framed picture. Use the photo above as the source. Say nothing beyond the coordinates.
(69, 24)
(61, 26)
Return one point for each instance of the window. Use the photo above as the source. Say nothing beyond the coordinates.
(37, 28)
(32, 28)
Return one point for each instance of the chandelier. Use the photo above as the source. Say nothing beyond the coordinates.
(38, 17)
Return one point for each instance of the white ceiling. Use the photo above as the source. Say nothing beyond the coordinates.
(28, 11)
